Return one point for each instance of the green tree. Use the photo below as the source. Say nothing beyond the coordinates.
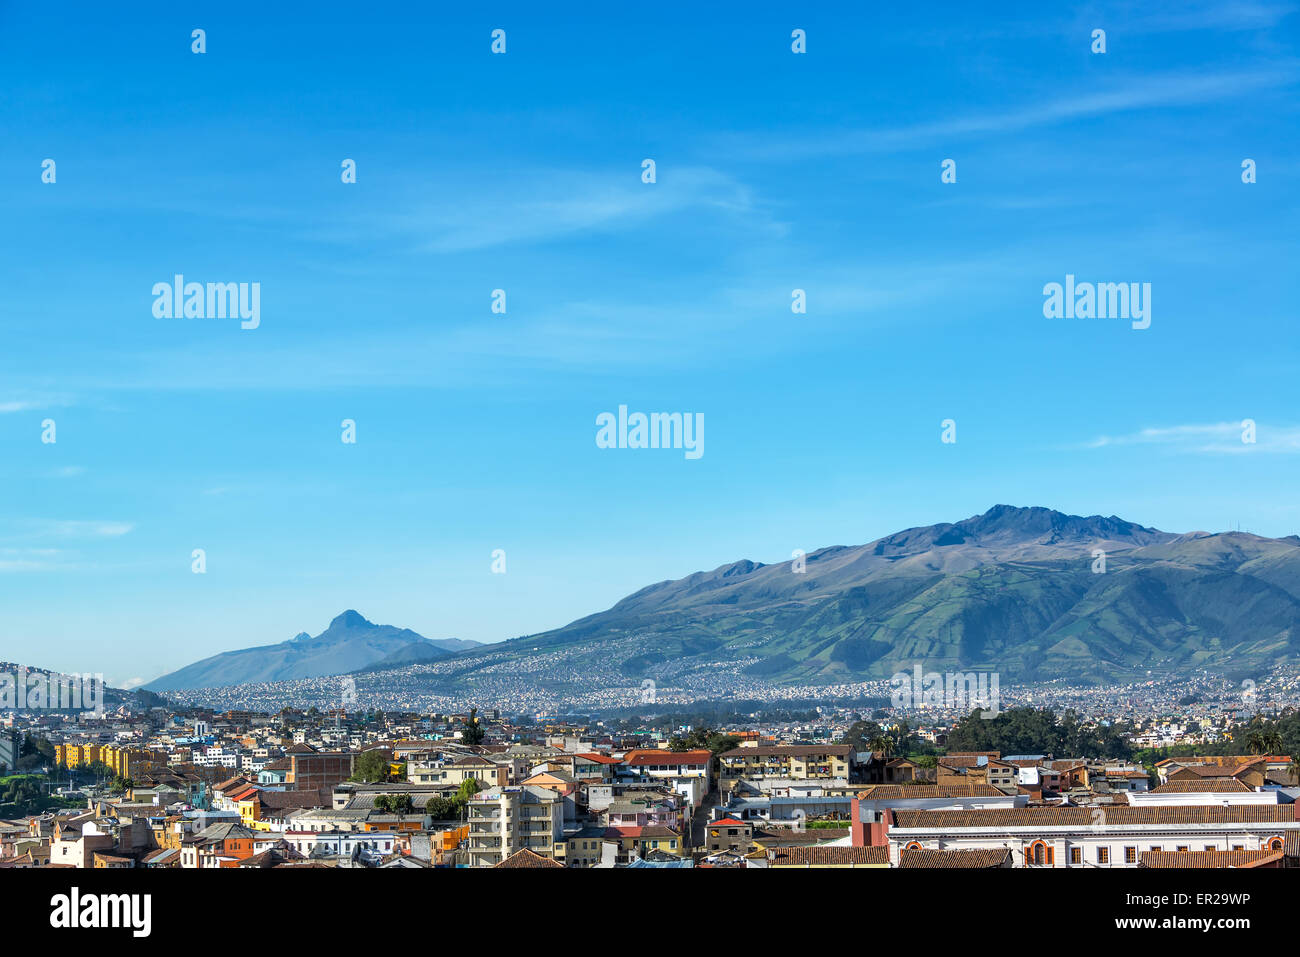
(704, 739)
(371, 766)
(859, 734)
(882, 743)
(472, 732)
(442, 809)
(468, 788)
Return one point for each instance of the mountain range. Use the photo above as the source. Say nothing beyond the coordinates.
(1031, 593)
(1020, 591)
(350, 643)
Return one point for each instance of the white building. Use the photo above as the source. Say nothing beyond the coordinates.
(1092, 836)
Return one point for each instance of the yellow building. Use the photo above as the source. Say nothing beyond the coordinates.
(76, 755)
(129, 762)
(796, 762)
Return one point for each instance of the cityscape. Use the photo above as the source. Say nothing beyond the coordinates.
(575, 437)
(1156, 775)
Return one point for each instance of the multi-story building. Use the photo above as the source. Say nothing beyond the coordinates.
(455, 772)
(793, 762)
(311, 770)
(76, 755)
(131, 762)
(633, 843)
(505, 820)
(1073, 836)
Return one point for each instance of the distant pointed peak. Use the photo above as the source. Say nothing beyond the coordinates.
(351, 619)
(301, 636)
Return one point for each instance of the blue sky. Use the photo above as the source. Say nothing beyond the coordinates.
(522, 171)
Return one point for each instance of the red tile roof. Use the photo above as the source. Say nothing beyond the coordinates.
(983, 857)
(1168, 859)
(1200, 785)
(526, 858)
(1074, 816)
(829, 856)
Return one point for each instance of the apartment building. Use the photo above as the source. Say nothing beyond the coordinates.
(311, 770)
(794, 762)
(457, 771)
(503, 820)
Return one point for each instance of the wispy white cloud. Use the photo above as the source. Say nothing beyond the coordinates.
(567, 204)
(467, 213)
(1214, 438)
(1181, 89)
(32, 401)
(66, 471)
(29, 559)
(1204, 15)
(82, 528)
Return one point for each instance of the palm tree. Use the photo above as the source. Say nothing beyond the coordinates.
(1264, 740)
(882, 744)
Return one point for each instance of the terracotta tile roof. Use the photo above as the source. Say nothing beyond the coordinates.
(829, 856)
(648, 831)
(1199, 785)
(1225, 760)
(472, 761)
(1168, 859)
(1074, 816)
(599, 758)
(1216, 770)
(730, 822)
(983, 857)
(895, 792)
(526, 858)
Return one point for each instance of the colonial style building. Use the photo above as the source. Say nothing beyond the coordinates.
(1083, 836)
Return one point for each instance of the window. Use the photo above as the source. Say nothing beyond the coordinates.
(1076, 855)
(1130, 855)
(1103, 855)
(1184, 847)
